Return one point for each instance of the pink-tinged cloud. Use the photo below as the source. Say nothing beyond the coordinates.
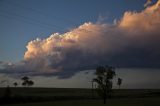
(132, 42)
(148, 3)
(147, 20)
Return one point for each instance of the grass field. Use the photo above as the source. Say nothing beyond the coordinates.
(111, 102)
(83, 97)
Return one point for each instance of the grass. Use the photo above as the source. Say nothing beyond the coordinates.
(123, 97)
(111, 102)
(48, 91)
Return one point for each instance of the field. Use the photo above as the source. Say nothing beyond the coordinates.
(81, 97)
(112, 102)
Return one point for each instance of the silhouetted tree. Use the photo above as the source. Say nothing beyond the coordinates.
(24, 83)
(92, 88)
(25, 78)
(15, 84)
(30, 83)
(119, 82)
(104, 76)
(27, 81)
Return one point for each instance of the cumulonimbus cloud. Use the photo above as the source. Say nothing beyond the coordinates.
(132, 42)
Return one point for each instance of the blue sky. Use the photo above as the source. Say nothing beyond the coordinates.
(25, 20)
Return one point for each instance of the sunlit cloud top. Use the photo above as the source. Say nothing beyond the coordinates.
(131, 42)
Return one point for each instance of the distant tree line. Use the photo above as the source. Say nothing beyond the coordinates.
(26, 81)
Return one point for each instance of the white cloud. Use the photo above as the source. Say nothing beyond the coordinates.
(132, 41)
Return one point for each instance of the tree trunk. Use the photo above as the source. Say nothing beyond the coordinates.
(104, 99)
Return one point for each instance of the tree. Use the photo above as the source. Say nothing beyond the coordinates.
(119, 82)
(30, 83)
(25, 78)
(104, 76)
(27, 81)
(24, 83)
(15, 84)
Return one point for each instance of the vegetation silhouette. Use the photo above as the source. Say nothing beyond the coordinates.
(26, 81)
(15, 84)
(119, 82)
(104, 76)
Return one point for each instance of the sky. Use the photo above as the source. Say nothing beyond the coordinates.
(27, 20)
(62, 42)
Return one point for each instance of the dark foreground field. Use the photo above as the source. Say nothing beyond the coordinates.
(77, 97)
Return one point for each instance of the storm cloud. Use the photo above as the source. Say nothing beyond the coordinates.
(133, 41)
